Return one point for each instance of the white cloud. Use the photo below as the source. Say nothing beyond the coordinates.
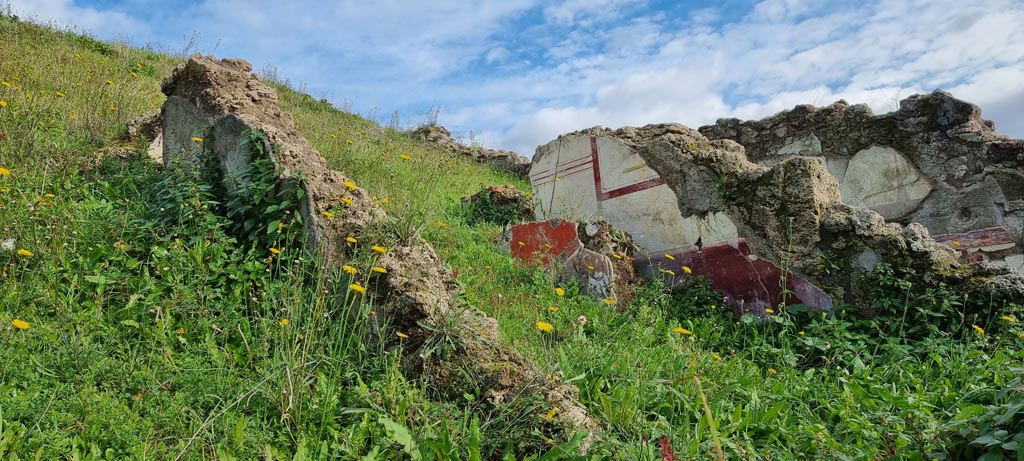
(108, 25)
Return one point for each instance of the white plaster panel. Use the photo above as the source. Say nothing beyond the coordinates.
(882, 179)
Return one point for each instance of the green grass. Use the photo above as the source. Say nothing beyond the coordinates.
(158, 332)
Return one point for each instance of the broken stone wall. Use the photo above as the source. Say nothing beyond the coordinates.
(212, 111)
(934, 161)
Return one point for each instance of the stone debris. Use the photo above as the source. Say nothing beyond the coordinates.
(499, 205)
(213, 106)
(501, 159)
(934, 161)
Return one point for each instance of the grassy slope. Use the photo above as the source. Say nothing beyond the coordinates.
(151, 337)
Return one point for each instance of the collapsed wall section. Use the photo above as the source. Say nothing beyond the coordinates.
(934, 161)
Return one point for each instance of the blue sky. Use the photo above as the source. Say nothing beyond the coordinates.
(517, 73)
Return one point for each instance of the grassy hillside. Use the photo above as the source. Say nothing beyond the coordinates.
(134, 325)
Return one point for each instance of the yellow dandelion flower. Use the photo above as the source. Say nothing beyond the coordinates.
(687, 269)
(327, 214)
(801, 333)
(346, 200)
(25, 253)
(20, 324)
(1009, 319)
(349, 269)
(4, 171)
(380, 270)
(980, 330)
(275, 251)
(682, 331)
(1020, 335)
(713, 307)
(357, 288)
(6, 84)
(558, 178)
(669, 272)
(551, 414)
(956, 243)
(60, 94)
(197, 139)
(110, 82)
(50, 196)
(348, 141)
(3, 103)
(589, 267)
(609, 301)
(669, 257)
(351, 239)
(349, 184)
(404, 157)
(138, 65)
(544, 326)
(616, 256)
(74, 116)
(769, 310)
(180, 331)
(401, 335)
(379, 249)
(442, 224)
(385, 201)
(521, 243)
(559, 291)
(552, 309)
(773, 371)
(283, 322)
(113, 108)
(716, 356)
(134, 74)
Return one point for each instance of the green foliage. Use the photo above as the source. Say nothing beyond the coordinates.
(486, 209)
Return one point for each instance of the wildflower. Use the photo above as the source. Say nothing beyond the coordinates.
(558, 178)
(669, 272)
(682, 331)
(551, 414)
(616, 256)
(275, 251)
(713, 307)
(380, 270)
(3, 103)
(956, 243)
(74, 116)
(1020, 335)
(327, 214)
(50, 196)
(772, 371)
(334, 136)
(357, 288)
(521, 243)
(110, 82)
(4, 171)
(134, 74)
(349, 269)
(283, 322)
(801, 333)
(544, 326)
(180, 331)
(609, 301)
(6, 84)
(138, 65)
(552, 309)
(60, 94)
(385, 201)
(197, 139)
(379, 249)
(401, 335)
(25, 253)
(1009, 319)
(582, 320)
(980, 330)
(346, 200)
(349, 184)
(351, 239)
(404, 157)
(113, 108)
(669, 257)
(687, 269)
(716, 356)
(348, 141)
(769, 311)
(559, 291)
(442, 224)
(20, 324)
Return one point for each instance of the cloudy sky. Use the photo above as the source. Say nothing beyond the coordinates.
(517, 73)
